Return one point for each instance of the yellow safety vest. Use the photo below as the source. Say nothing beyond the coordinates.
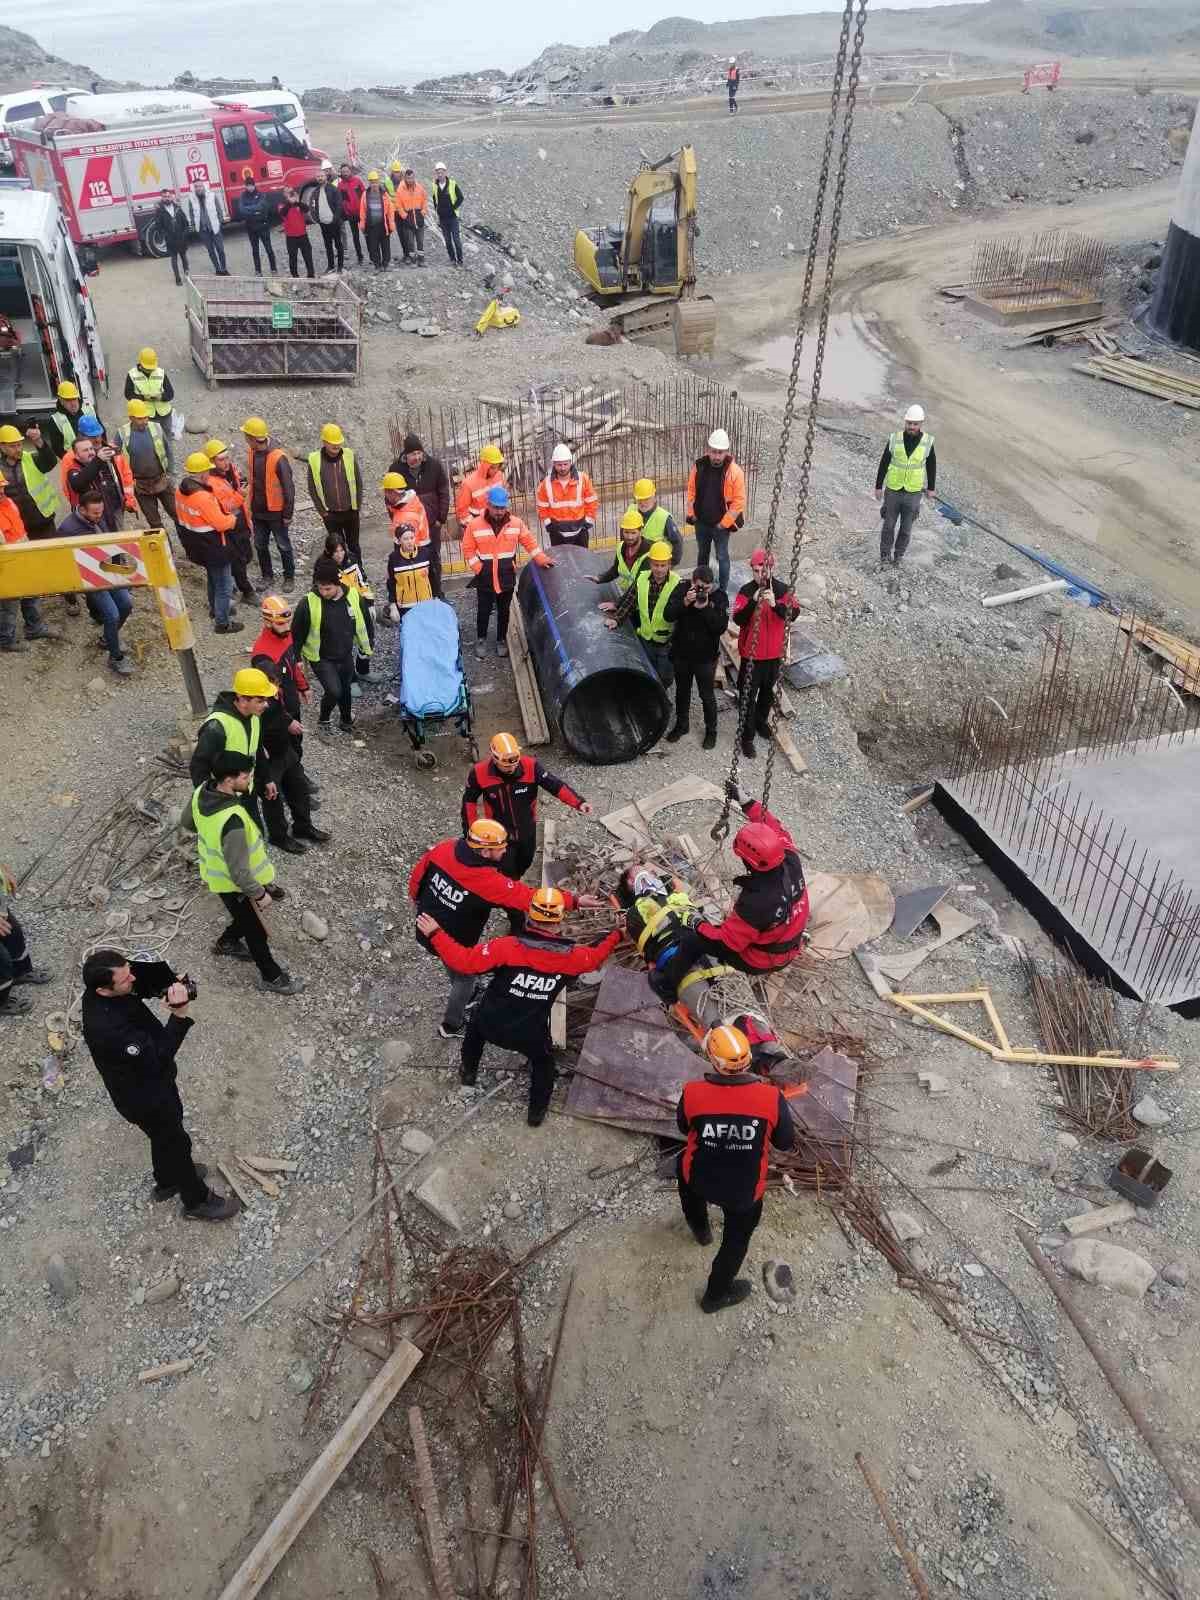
(237, 741)
(652, 625)
(311, 648)
(907, 471)
(654, 915)
(314, 466)
(43, 488)
(156, 433)
(66, 424)
(626, 573)
(210, 856)
(149, 387)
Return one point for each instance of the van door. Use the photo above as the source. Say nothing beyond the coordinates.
(88, 355)
(237, 154)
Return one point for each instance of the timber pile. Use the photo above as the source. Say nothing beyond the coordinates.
(1131, 373)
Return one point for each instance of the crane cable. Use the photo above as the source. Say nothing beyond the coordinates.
(720, 830)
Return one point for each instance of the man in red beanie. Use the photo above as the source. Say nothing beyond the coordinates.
(764, 608)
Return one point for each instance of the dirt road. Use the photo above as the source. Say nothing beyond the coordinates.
(1045, 454)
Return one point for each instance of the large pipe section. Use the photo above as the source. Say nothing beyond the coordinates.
(1175, 308)
(598, 686)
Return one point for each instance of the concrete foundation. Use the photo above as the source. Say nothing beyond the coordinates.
(1049, 306)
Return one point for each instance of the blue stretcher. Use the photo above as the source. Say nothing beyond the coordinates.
(434, 697)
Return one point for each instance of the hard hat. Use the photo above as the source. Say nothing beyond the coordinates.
(67, 390)
(547, 907)
(504, 747)
(215, 448)
(255, 428)
(718, 439)
(562, 452)
(137, 408)
(498, 497)
(197, 462)
(485, 833)
(393, 480)
(632, 521)
(758, 846)
(89, 428)
(915, 414)
(660, 551)
(733, 61)
(761, 558)
(332, 434)
(647, 882)
(396, 166)
(727, 1048)
(275, 609)
(372, 176)
(327, 165)
(439, 166)
(252, 683)
(9, 434)
(148, 358)
(491, 455)
(644, 489)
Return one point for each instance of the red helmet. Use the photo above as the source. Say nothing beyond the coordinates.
(758, 846)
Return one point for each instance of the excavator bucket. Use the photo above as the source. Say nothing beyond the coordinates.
(695, 325)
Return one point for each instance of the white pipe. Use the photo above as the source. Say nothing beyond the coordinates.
(1051, 586)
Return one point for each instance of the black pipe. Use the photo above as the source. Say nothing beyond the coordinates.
(598, 686)
(1175, 308)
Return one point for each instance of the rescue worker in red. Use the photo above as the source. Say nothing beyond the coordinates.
(459, 881)
(528, 970)
(764, 609)
(567, 503)
(505, 787)
(729, 1118)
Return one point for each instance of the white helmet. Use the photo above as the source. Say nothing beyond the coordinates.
(439, 166)
(327, 165)
(718, 439)
(562, 452)
(733, 61)
(915, 414)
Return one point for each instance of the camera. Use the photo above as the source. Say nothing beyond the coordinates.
(189, 983)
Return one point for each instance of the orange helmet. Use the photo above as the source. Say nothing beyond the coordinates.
(487, 834)
(547, 907)
(275, 609)
(727, 1049)
(504, 747)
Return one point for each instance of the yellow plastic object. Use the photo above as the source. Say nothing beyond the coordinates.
(497, 316)
(644, 489)
(67, 390)
(251, 682)
(215, 448)
(393, 480)
(660, 551)
(197, 462)
(147, 358)
(632, 521)
(255, 428)
(137, 408)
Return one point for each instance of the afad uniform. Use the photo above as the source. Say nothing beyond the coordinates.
(764, 930)
(511, 798)
(454, 885)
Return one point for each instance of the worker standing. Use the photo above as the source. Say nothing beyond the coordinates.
(175, 231)
(695, 645)
(448, 197)
(567, 503)
(633, 549)
(330, 219)
(110, 607)
(473, 490)
(658, 523)
(234, 724)
(228, 484)
(907, 470)
(352, 189)
(329, 625)
(352, 576)
(206, 532)
(431, 483)
(335, 487)
(489, 548)
(276, 647)
(270, 499)
(460, 882)
(505, 787)
(412, 204)
(206, 213)
(764, 609)
(64, 419)
(283, 783)
(144, 444)
(294, 217)
(147, 381)
(394, 177)
(729, 1118)
(529, 969)
(234, 864)
(652, 602)
(716, 502)
(377, 219)
(404, 507)
(93, 463)
(12, 531)
(257, 211)
(30, 468)
(408, 580)
(733, 80)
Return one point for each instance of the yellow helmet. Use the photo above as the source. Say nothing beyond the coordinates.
(67, 390)
(547, 907)
(255, 428)
(147, 358)
(491, 455)
(487, 834)
(9, 434)
(504, 747)
(632, 521)
(197, 462)
(252, 683)
(372, 176)
(727, 1049)
(393, 480)
(644, 489)
(137, 408)
(396, 166)
(275, 609)
(660, 551)
(215, 448)
(332, 434)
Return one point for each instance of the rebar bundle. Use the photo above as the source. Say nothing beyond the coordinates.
(1042, 269)
(1078, 1017)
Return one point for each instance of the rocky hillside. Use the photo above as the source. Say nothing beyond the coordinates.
(23, 61)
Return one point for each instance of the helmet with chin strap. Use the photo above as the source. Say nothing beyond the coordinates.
(759, 847)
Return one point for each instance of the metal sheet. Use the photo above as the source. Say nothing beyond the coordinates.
(812, 663)
(914, 905)
(634, 1048)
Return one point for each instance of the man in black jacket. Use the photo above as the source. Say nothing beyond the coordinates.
(283, 777)
(329, 625)
(258, 213)
(135, 1055)
(175, 230)
(428, 477)
(700, 613)
(448, 196)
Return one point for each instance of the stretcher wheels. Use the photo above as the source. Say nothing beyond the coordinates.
(426, 760)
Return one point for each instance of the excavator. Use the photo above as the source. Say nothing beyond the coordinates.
(650, 262)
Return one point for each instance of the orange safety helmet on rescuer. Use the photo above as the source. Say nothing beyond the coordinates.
(759, 847)
(487, 834)
(276, 612)
(505, 749)
(727, 1049)
(547, 907)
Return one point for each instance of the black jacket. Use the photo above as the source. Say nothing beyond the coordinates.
(431, 483)
(729, 1122)
(698, 630)
(73, 526)
(211, 743)
(134, 1052)
(174, 225)
(255, 210)
(448, 198)
(102, 475)
(338, 635)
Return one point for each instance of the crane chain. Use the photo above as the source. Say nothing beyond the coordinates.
(720, 830)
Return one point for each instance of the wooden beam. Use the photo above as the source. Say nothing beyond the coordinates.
(298, 1508)
(558, 1011)
(631, 824)
(529, 696)
(167, 1370)
(267, 1185)
(228, 1168)
(915, 1005)
(269, 1164)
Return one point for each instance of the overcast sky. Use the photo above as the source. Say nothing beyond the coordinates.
(346, 43)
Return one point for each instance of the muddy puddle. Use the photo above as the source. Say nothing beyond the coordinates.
(855, 370)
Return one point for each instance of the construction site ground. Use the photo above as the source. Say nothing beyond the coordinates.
(699, 1457)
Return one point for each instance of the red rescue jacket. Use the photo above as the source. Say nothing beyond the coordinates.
(763, 931)
(730, 1122)
(459, 888)
(511, 798)
(772, 624)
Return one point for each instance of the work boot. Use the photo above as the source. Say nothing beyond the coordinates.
(230, 627)
(480, 649)
(467, 1076)
(42, 632)
(709, 742)
(316, 835)
(231, 947)
(17, 1005)
(249, 598)
(701, 1235)
(217, 1208)
(13, 647)
(169, 1191)
(737, 1291)
(748, 749)
(677, 732)
(289, 582)
(446, 1032)
(537, 1115)
(121, 665)
(35, 975)
(289, 845)
(283, 984)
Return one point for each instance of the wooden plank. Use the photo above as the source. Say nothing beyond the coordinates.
(630, 824)
(917, 801)
(298, 1508)
(267, 1185)
(269, 1164)
(1103, 1217)
(1129, 381)
(167, 1370)
(435, 1532)
(529, 697)
(558, 1011)
(228, 1168)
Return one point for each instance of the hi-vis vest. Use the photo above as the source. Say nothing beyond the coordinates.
(66, 424)
(626, 573)
(661, 919)
(156, 433)
(214, 874)
(907, 471)
(237, 740)
(311, 648)
(652, 625)
(148, 386)
(314, 466)
(43, 489)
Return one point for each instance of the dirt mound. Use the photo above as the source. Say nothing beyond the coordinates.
(23, 61)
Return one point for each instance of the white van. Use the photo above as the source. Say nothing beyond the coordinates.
(26, 105)
(118, 110)
(281, 104)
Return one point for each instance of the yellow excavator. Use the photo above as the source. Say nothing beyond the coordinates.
(653, 258)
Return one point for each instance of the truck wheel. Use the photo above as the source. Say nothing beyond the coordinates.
(154, 242)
